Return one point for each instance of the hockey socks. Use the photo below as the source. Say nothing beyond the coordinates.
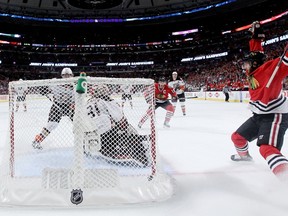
(241, 146)
(276, 161)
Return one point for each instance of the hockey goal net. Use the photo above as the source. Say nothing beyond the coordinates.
(82, 149)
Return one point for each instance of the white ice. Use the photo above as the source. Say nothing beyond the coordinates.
(196, 152)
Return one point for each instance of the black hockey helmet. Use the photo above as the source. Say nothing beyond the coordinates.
(162, 79)
(256, 59)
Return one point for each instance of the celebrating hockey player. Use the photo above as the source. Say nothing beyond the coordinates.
(110, 133)
(268, 105)
(63, 105)
(162, 92)
(179, 86)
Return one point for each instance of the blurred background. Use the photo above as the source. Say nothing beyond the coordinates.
(203, 40)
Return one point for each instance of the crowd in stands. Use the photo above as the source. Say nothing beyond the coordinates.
(211, 74)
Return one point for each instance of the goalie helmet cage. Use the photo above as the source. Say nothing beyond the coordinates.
(79, 166)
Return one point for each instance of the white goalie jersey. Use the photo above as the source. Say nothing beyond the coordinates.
(102, 114)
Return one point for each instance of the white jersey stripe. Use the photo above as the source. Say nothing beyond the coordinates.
(275, 129)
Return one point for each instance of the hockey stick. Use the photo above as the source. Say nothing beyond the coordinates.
(52, 101)
(190, 97)
(276, 68)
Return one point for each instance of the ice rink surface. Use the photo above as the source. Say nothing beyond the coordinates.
(196, 152)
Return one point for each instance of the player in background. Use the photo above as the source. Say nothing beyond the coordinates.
(21, 92)
(63, 105)
(162, 92)
(268, 105)
(179, 86)
(127, 95)
(226, 90)
(111, 134)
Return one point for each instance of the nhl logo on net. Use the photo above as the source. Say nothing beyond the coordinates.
(76, 196)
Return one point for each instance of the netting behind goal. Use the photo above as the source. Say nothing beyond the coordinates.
(82, 149)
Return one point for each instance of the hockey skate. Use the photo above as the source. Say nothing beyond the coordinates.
(36, 144)
(166, 125)
(237, 158)
(139, 125)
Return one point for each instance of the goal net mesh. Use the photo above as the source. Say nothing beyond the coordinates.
(82, 149)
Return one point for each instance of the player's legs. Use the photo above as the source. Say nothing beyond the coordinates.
(25, 106)
(19, 99)
(271, 140)
(39, 138)
(170, 111)
(248, 131)
(17, 106)
(182, 100)
(24, 103)
(54, 118)
(174, 102)
(130, 101)
(124, 98)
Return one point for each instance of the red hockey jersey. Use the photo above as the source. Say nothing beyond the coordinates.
(162, 95)
(265, 100)
(255, 45)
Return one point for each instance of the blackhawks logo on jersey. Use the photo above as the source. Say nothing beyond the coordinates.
(253, 83)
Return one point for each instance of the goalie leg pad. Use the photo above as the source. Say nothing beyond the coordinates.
(92, 143)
